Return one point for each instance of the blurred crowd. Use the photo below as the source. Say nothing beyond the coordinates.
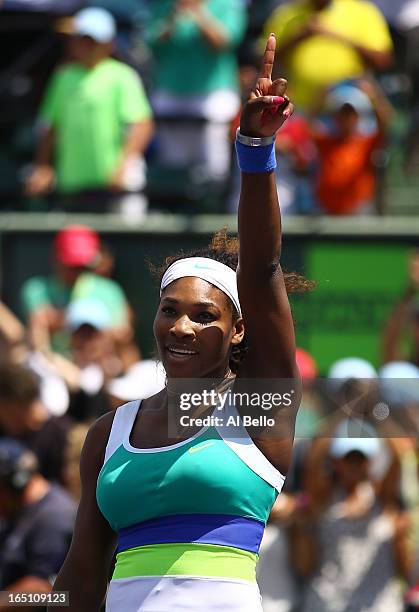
(343, 535)
(132, 105)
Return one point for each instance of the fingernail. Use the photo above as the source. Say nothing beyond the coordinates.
(286, 113)
(278, 100)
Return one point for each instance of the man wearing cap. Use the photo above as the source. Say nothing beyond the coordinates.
(45, 299)
(357, 115)
(36, 522)
(95, 118)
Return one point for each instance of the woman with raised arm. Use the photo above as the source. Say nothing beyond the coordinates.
(188, 516)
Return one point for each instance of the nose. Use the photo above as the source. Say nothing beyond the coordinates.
(183, 327)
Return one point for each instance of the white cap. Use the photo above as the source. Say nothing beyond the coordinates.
(95, 22)
(342, 444)
(87, 311)
(348, 94)
(399, 383)
(347, 368)
(352, 95)
(399, 369)
(352, 367)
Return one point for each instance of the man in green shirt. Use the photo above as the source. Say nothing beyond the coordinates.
(95, 117)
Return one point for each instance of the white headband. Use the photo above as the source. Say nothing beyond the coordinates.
(209, 270)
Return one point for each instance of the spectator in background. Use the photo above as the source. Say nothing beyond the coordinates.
(95, 121)
(323, 42)
(15, 349)
(403, 19)
(348, 540)
(36, 523)
(130, 352)
(94, 359)
(399, 389)
(44, 299)
(400, 337)
(347, 178)
(23, 416)
(194, 44)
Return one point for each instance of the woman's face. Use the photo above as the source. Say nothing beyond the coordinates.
(194, 329)
(352, 469)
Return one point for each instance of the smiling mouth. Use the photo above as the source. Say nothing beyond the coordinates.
(181, 353)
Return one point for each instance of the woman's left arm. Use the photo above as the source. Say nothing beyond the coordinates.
(261, 285)
(263, 296)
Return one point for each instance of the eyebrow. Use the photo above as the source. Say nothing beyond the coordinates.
(197, 304)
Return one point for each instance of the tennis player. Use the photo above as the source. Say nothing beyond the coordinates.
(187, 516)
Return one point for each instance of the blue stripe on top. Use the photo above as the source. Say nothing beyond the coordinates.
(220, 529)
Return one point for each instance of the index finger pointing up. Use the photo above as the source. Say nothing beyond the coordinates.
(268, 57)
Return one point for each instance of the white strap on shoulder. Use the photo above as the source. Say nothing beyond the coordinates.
(244, 447)
(123, 421)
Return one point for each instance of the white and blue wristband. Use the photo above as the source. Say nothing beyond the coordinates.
(255, 155)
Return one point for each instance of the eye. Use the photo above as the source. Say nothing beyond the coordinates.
(168, 310)
(205, 317)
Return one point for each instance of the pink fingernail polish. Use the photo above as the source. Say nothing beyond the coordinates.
(286, 113)
(278, 100)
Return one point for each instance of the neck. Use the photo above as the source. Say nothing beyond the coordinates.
(177, 386)
(93, 60)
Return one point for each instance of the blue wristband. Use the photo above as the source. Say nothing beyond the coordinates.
(256, 159)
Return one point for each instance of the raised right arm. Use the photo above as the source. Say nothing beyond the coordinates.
(85, 571)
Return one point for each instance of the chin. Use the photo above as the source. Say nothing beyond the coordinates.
(181, 370)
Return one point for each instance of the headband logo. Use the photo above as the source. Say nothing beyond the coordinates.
(203, 267)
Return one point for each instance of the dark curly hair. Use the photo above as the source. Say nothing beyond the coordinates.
(225, 249)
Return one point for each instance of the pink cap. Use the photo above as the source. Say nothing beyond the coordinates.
(306, 365)
(76, 245)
